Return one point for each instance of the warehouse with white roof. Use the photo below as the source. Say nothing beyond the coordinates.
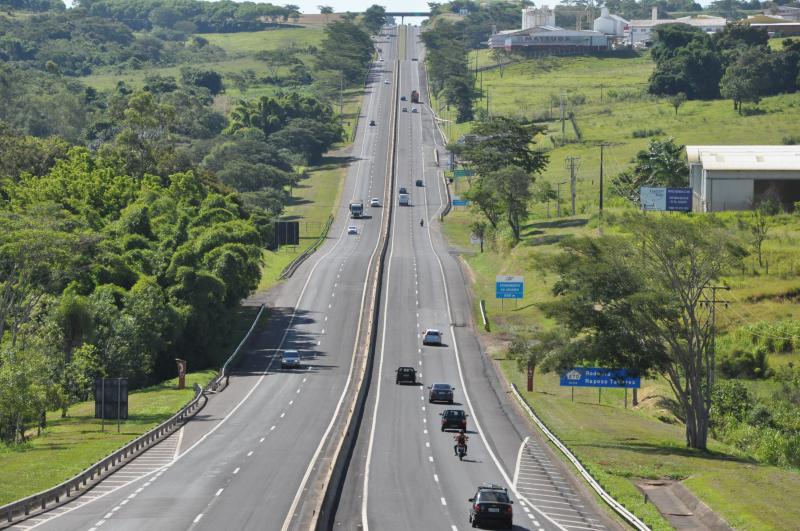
(739, 177)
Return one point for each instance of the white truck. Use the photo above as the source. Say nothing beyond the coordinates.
(404, 199)
(356, 209)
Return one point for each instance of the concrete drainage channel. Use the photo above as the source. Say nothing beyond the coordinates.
(41, 502)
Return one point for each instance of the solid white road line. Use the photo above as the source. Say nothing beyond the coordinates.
(519, 460)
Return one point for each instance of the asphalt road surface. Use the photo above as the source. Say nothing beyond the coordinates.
(404, 474)
(245, 460)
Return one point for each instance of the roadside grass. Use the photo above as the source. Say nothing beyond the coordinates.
(71, 444)
(249, 42)
(312, 202)
(619, 445)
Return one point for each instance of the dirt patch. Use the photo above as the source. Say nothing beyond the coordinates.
(792, 295)
(680, 507)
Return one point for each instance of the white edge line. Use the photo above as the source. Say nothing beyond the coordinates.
(519, 461)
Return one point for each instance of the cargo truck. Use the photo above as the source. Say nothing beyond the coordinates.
(404, 199)
(356, 209)
(414, 96)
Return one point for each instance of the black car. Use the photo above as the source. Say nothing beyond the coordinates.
(403, 190)
(454, 419)
(491, 505)
(406, 375)
(441, 392)
(419, 182)
(402, 98)
(372, 122)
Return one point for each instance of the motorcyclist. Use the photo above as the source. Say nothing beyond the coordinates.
(461, 440)
(422, 222)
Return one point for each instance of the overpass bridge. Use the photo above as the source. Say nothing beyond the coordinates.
(403, 14)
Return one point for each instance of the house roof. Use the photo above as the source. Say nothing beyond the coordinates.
(691, 21)
(785, 158)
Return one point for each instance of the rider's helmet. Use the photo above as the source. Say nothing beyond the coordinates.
(462, 431)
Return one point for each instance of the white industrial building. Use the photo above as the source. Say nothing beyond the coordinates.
(611, 24)
(540, 35)
(641, 31)
(739, 177)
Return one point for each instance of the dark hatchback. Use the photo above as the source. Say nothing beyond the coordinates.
(454, 419)
(441, 392)
(491, 506)
(406, 375)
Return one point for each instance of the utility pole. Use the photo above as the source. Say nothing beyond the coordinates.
(602, 145)
(558, 198)
(711, 354)
(341, 98)
(563, 130)
(572, 164)
(487, 102)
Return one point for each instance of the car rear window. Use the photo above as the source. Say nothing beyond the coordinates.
(454, 413)
(441, 387)
(491, 496)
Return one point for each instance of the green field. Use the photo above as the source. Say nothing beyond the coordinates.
(608, 97)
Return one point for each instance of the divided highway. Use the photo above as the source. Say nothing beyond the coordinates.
(246, 460)
(404, 474)
(252, 457)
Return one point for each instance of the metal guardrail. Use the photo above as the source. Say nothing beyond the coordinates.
(294, 264)
(224, 373)
(77, 485)
(614, 504)
(484, 316)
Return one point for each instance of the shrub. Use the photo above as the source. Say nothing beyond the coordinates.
(791, 140)
(645, 133)
(730, 399)
(741, 363)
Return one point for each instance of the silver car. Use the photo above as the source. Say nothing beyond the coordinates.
(432, 337)
(290, 359)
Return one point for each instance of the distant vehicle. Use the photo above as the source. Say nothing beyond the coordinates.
(414, 96)
(419, 182)
(372, 122)
(432, 337)
(403, 190)
(290, 359)
(405, 109)
(403, 98)
(454, 419)
(385, 81)
(404, 200)
(440, 392)
(356, 209)
(381, 59)
(374, 202)
(413, 109)
(491, 505)
(405, 375)
(413, 58)
(352, 229)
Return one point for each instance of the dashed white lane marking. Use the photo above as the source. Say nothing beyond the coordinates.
(323, 331)
(249, 453)
(430, 458)
(427, 444)
(453, 528)
(283, 415)
(237, 470)
(219, 492)
(436, 478)
(197, 518)
(444, 502)
(108, 515)
(273, 427)
(291, 402)
(261, 440)
(304, 380)
(425, 431)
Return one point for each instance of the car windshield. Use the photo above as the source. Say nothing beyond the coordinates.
(492, 496)
(441, 387)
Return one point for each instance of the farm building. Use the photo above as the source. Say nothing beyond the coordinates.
(642, 30)
(611, 24)
(739, 177)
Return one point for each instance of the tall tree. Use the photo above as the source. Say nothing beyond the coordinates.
(661, 164)
(500, 141)
(374, 18)
(636, 300)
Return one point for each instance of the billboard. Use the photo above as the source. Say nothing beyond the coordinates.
(666, 199)
(599, 377)
(509, 287)
(111, 398)
(287, 232)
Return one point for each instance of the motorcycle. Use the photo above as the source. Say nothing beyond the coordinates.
(461, 450)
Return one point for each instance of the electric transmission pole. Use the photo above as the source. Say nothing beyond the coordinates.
(711, 353)
(572, 164)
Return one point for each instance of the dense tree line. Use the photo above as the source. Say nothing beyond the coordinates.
(33, 5)
(736, 63)
(449, 72)
(189, 16)
(74, 44)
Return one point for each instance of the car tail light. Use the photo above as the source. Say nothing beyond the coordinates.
(509, 510)
(477, 508)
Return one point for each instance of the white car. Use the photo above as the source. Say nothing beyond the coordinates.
(385, 81)
(290, 359)
(414, 109)
(374, 202)
(432, 337)
(352, 229)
